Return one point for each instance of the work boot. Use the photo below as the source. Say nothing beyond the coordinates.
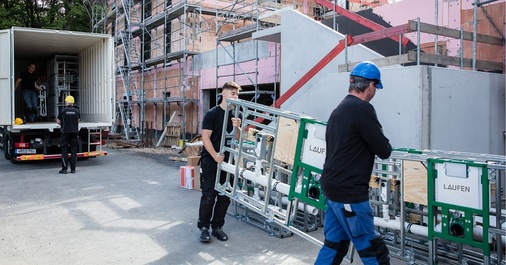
(73, 171)
(218, 233)
(63, 171)
(204, 235)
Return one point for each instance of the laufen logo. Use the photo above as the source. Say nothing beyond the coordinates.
(317, 149)
(457, 187)
(314, 149)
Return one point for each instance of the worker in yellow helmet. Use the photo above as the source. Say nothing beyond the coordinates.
(68, 119)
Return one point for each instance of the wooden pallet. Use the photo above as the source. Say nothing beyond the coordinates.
(172, 135)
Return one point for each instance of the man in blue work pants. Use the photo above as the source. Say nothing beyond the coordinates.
(355, 222)
(353, 137)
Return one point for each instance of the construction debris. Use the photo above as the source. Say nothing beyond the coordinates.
(120, 144)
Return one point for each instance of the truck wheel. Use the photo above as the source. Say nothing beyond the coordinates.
(6, 145)
(9, 149)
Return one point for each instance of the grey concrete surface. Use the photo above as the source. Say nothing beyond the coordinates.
(124, 208)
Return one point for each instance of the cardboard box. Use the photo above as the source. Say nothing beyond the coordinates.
(193, 160)
(190, 177)
(187, 175)
(196, 178)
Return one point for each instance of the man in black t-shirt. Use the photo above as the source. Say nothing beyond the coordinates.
(68, 119)
(213, 207)
(29, 86)
(353, 138)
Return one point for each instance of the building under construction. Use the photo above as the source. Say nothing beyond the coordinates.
(172, 57)
(442, 65)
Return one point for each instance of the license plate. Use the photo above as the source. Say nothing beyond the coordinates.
(25, 151)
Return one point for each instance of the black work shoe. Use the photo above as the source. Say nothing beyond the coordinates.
(72, 171)
(204, 235)
(63, 171)
(218, 233)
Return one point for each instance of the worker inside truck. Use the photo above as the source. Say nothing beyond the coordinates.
(28, 81)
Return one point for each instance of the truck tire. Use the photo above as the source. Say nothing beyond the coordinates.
(6, 145)
(9, 148)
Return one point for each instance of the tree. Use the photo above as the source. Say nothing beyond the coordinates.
(50, 14)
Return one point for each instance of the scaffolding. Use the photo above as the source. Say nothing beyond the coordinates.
(239, 54)
(156, 43)
(156, 46)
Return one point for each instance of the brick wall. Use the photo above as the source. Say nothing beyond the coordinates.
(487, 52)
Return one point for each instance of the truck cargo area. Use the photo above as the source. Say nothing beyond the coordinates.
(67, 63)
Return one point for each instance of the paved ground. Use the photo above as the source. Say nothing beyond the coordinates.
(125, 208)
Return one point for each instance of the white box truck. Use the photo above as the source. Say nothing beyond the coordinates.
(75, 63)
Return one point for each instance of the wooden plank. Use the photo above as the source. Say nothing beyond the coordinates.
(386, 61)
(455, 61)
(273, 16)
(251, 136)
(414, 179)
(272, 19)
(161, 137)
(454, 33)
(273, 5)
(381, 33)
(286, 140)
(238, 34)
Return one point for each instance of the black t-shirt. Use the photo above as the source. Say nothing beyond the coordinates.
(28, 80)
(213, 120)
(69, 117)
(353, 137)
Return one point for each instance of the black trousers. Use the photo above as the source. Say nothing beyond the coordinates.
(69, 141)
(213, 207)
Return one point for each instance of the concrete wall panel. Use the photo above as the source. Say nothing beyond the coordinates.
(399, 105)
(467, 111)
(425, 107)
(421, 107)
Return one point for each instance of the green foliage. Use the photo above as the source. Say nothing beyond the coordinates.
(50, 14)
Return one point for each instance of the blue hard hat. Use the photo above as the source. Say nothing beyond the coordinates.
(367, 70)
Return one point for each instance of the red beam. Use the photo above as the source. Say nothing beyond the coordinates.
(311, 73)
(359, 19)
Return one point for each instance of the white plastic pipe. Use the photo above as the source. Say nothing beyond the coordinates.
(423, 230)
(257, 178)
(396, 225)
(478, 231)
(284, 201)
(262, 180)
(310, 209)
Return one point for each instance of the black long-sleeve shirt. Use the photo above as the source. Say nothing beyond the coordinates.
(353, 137)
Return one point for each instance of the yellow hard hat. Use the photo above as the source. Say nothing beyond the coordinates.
(18, 121)
(69, 99)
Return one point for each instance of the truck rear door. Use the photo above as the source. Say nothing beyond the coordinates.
(6, 91)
